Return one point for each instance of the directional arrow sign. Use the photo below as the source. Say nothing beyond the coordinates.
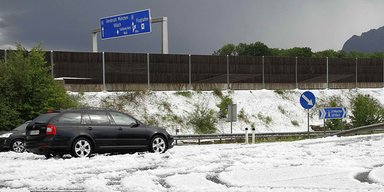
(333, 113)
(307, 100)
(127, 24)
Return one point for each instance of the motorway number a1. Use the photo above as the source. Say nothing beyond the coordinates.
(34, 132)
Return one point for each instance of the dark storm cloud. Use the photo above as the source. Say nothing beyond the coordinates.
(196, 27)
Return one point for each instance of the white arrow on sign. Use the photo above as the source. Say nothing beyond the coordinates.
(306, 99)
(322, 112)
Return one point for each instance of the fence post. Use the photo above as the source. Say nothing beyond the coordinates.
(356, 73)
(297, 84)
(263, 73)
(103, 72)
(52, 71)
(190, 73)
(327, 75)
(149, 74)
(5, 58)
(228, 72)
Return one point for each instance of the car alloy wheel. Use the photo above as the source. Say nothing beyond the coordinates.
(82, 148)
(18, 146)
(158, 145)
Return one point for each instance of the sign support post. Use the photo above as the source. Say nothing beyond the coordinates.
(307, 101)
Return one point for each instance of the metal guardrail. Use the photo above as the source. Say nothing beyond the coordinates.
(220, 137)
(367, 128)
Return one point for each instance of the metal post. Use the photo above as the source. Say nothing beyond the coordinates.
(52, 72)
(228, 73)
(263, 74)
(356, 73)
(164, 34)
(297, 84)
(327, 75)
(149, 73)
(103, 72)
(94, 39)
(308, 123)
(5, 58)
(190, 73)
(231, 127)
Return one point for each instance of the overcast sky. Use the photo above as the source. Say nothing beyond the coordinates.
(194, 26)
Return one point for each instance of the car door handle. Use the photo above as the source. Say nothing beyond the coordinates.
(120, 129)
(90, 128)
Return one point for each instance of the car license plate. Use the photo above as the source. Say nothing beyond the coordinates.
(34, 132)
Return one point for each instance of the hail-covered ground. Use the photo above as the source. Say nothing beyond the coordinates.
(341, 164)
(350, 164)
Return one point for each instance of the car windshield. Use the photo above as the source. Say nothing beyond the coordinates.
(44, 118)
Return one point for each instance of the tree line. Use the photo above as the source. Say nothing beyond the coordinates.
(260, 49)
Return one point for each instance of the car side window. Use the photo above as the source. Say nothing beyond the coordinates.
(122, 119)
(74, 118)
(98, 117)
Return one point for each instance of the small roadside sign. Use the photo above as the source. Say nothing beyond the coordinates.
(333, 113)
(307, 100)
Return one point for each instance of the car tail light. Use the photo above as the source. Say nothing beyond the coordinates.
(51, 130)
(50, 112)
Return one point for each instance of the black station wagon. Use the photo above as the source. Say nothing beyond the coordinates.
(81, 132)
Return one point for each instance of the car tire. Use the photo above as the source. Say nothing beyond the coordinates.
(82, 147)
(18, 146)
(158, 144)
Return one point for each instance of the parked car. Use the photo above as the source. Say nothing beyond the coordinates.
(81, 132)
(14, 139)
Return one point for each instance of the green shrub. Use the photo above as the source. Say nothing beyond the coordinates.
(27, 88)
(184, 93)
(223, 106)
(218, 92)
(203, 121)
(295, 123)
(366, 111)
(242, 116)
(267, 120)
(282, 110)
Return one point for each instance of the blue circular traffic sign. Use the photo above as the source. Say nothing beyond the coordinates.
(307, 100)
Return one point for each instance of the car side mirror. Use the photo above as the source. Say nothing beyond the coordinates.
(135, 125)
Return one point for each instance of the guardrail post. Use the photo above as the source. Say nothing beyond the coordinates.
(246, 135)
(253, 135)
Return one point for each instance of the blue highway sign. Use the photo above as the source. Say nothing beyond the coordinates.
(307, 100)
(333, 113)
(126, 24)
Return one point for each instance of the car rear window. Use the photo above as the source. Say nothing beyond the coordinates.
(44, 118)
(74, 118)
(98, 117)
